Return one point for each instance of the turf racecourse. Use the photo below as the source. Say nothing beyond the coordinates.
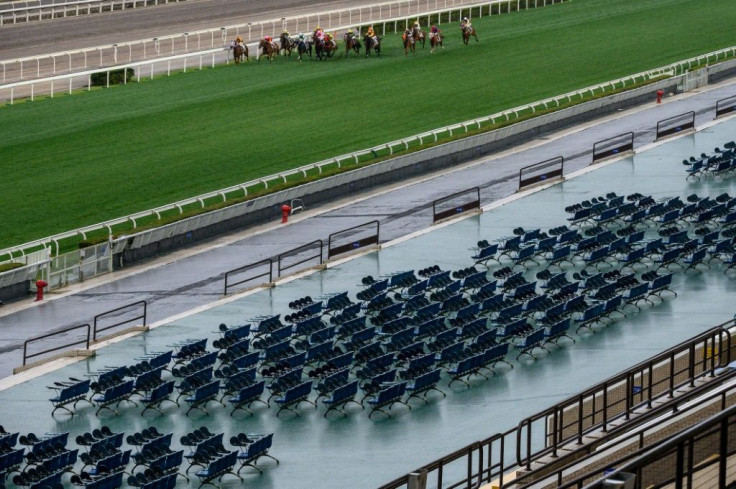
(99, 155)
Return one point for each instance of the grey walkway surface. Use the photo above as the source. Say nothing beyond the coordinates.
(180, 282)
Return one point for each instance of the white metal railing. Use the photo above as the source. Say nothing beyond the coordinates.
(15, 12)
(352, 158)
(102, 56)
(79, 79)
(78, 265)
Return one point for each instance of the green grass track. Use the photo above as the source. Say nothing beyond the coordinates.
(77, 160)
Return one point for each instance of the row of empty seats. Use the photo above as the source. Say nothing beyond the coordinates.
(40, 463)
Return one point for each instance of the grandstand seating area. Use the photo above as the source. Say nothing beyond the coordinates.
(406, 335)
(616, 255)
(720, 163)
(102, 462)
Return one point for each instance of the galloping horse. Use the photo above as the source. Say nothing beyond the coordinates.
(435, 40)
(408, 42)
(467, 32)
(373, 43)
(268, 49)
(351, 42)
(287, 44)
(302, 47)
(418, 34)
(323, 47)
(240, 53)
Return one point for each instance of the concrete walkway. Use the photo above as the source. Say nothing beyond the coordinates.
(179, 282)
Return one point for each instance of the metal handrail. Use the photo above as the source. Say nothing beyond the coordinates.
(298, 250)
(373, 239)
(269, 261)
(470, 205)
(725, 108)
(555, 413)
(130, 320)
(349, 157)
(26, 356)
(720, 424)
(487, 470)
(689, 124)
(557, 172)
(621, 434)
(628, 146)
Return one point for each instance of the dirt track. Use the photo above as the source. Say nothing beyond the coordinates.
(37, 38)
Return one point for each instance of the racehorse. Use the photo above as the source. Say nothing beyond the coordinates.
(303, 47)
(371, 43)
(467, 32)
(268, 49)
(418, 34)
(287, 44)
(408, 42)
(351, 42)
(436, 40)
(240, 53)
(322, 47)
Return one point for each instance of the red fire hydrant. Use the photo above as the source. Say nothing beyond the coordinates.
(40, 284)
(660, 94)
(285, 210)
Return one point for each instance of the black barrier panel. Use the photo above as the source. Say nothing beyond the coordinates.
(139, 308)
(84, 341)
(725, 106)
(229, 283)
(613, 146)
(458, 203)
(302, 254)
(542, 171)
(675, 124)
(359, 236)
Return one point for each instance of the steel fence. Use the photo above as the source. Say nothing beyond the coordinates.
(23, 12)
(380, 14)
(138, 239)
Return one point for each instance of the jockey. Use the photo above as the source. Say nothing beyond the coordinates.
(329, 39)
(239, 41)
(417, 26)
(350, 34)
(319, 33)
(465, 24)
(433, 31)
(372, 34)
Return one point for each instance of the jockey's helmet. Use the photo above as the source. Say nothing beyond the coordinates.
(465, 19)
